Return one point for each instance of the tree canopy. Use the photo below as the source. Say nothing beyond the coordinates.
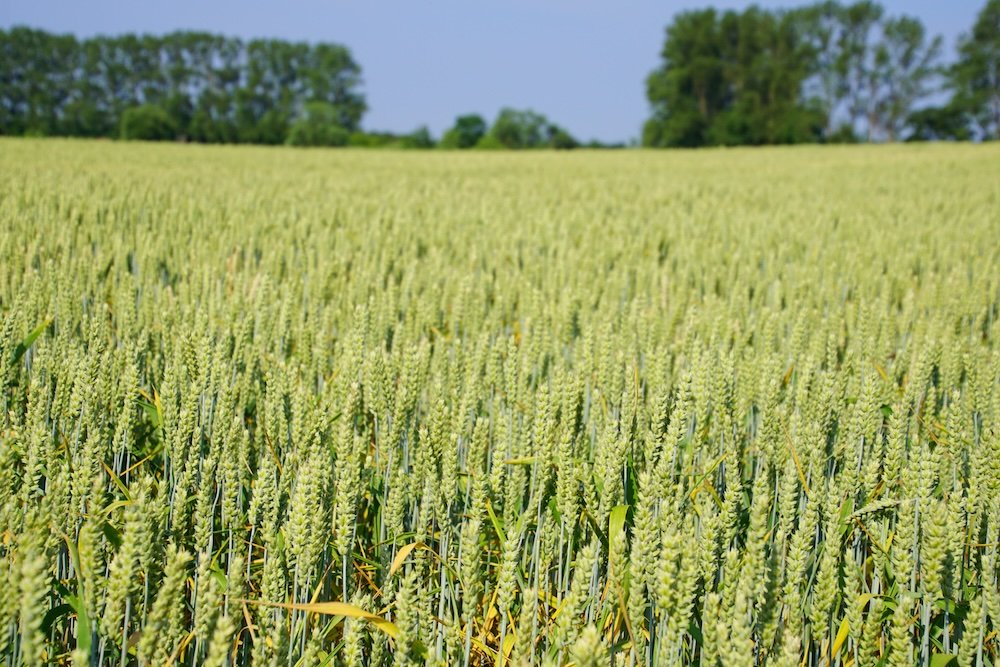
(525, 128)
(975, 78)
(465, 133)
(211, 88)
(823, 72)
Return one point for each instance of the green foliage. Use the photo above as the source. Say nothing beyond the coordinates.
(944, 123)
(975, 78)
(729, 79)
(517, 129)
(466, 132)
(419, 138)
(561, 139)
(843, 134)
(213, 88)
(815, 73)
(489, 142)
(371, 139)
(904, 62)
(148, 122)
(318, 127)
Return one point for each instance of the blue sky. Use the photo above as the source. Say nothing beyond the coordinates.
(580, 62)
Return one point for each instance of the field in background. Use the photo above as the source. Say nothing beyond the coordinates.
(292, 407)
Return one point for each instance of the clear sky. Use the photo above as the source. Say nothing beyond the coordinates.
(582, 63)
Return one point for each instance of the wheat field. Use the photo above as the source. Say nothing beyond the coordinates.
(289, 407)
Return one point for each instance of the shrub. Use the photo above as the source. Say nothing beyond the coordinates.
(148, 122)
(465, 133)
(489, 142)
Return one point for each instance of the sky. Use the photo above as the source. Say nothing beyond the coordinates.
(582, 63)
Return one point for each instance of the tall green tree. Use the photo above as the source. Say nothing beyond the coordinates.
(841, 41)
(88, 112)
(732, 78)
(265, 100)
(212, 88)
(975, 78)
(905, 61)
(860, 22)
(688, 89)
(821, 29)
(332, 76)
(36, 80)
(822, 72)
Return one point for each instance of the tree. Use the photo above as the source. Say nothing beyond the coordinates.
(854, 63)
(489, 142)
(318, 126)
(821, 29)
(212, 119)
(944, 123)
(516, 128)
(822, 72)
(213, 88)
(560, 139)
(148, 122)
(975, 78)
(87, 113)
(687, 90)
(331, 75)
(178, 106)
(419, 138)
(904, 62)
(36, 80)
(264, 103)
(732, 78)
(465, 133)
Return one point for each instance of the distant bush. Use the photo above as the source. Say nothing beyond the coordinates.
(515, 128)
(148, 122)
(466, 132)
(370, 139)
(318, 127)
(305, 134)
(489, 142)
(843, 134)
(561, 139)
(944, 123)
(419, 138)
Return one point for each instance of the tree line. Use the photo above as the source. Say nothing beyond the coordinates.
(826, 72)
(188, 85)
(197, 86)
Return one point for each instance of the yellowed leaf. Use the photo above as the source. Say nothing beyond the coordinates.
(401, 556)
(337, 609)
(881, 372)
(523, 461)
(841, 637)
